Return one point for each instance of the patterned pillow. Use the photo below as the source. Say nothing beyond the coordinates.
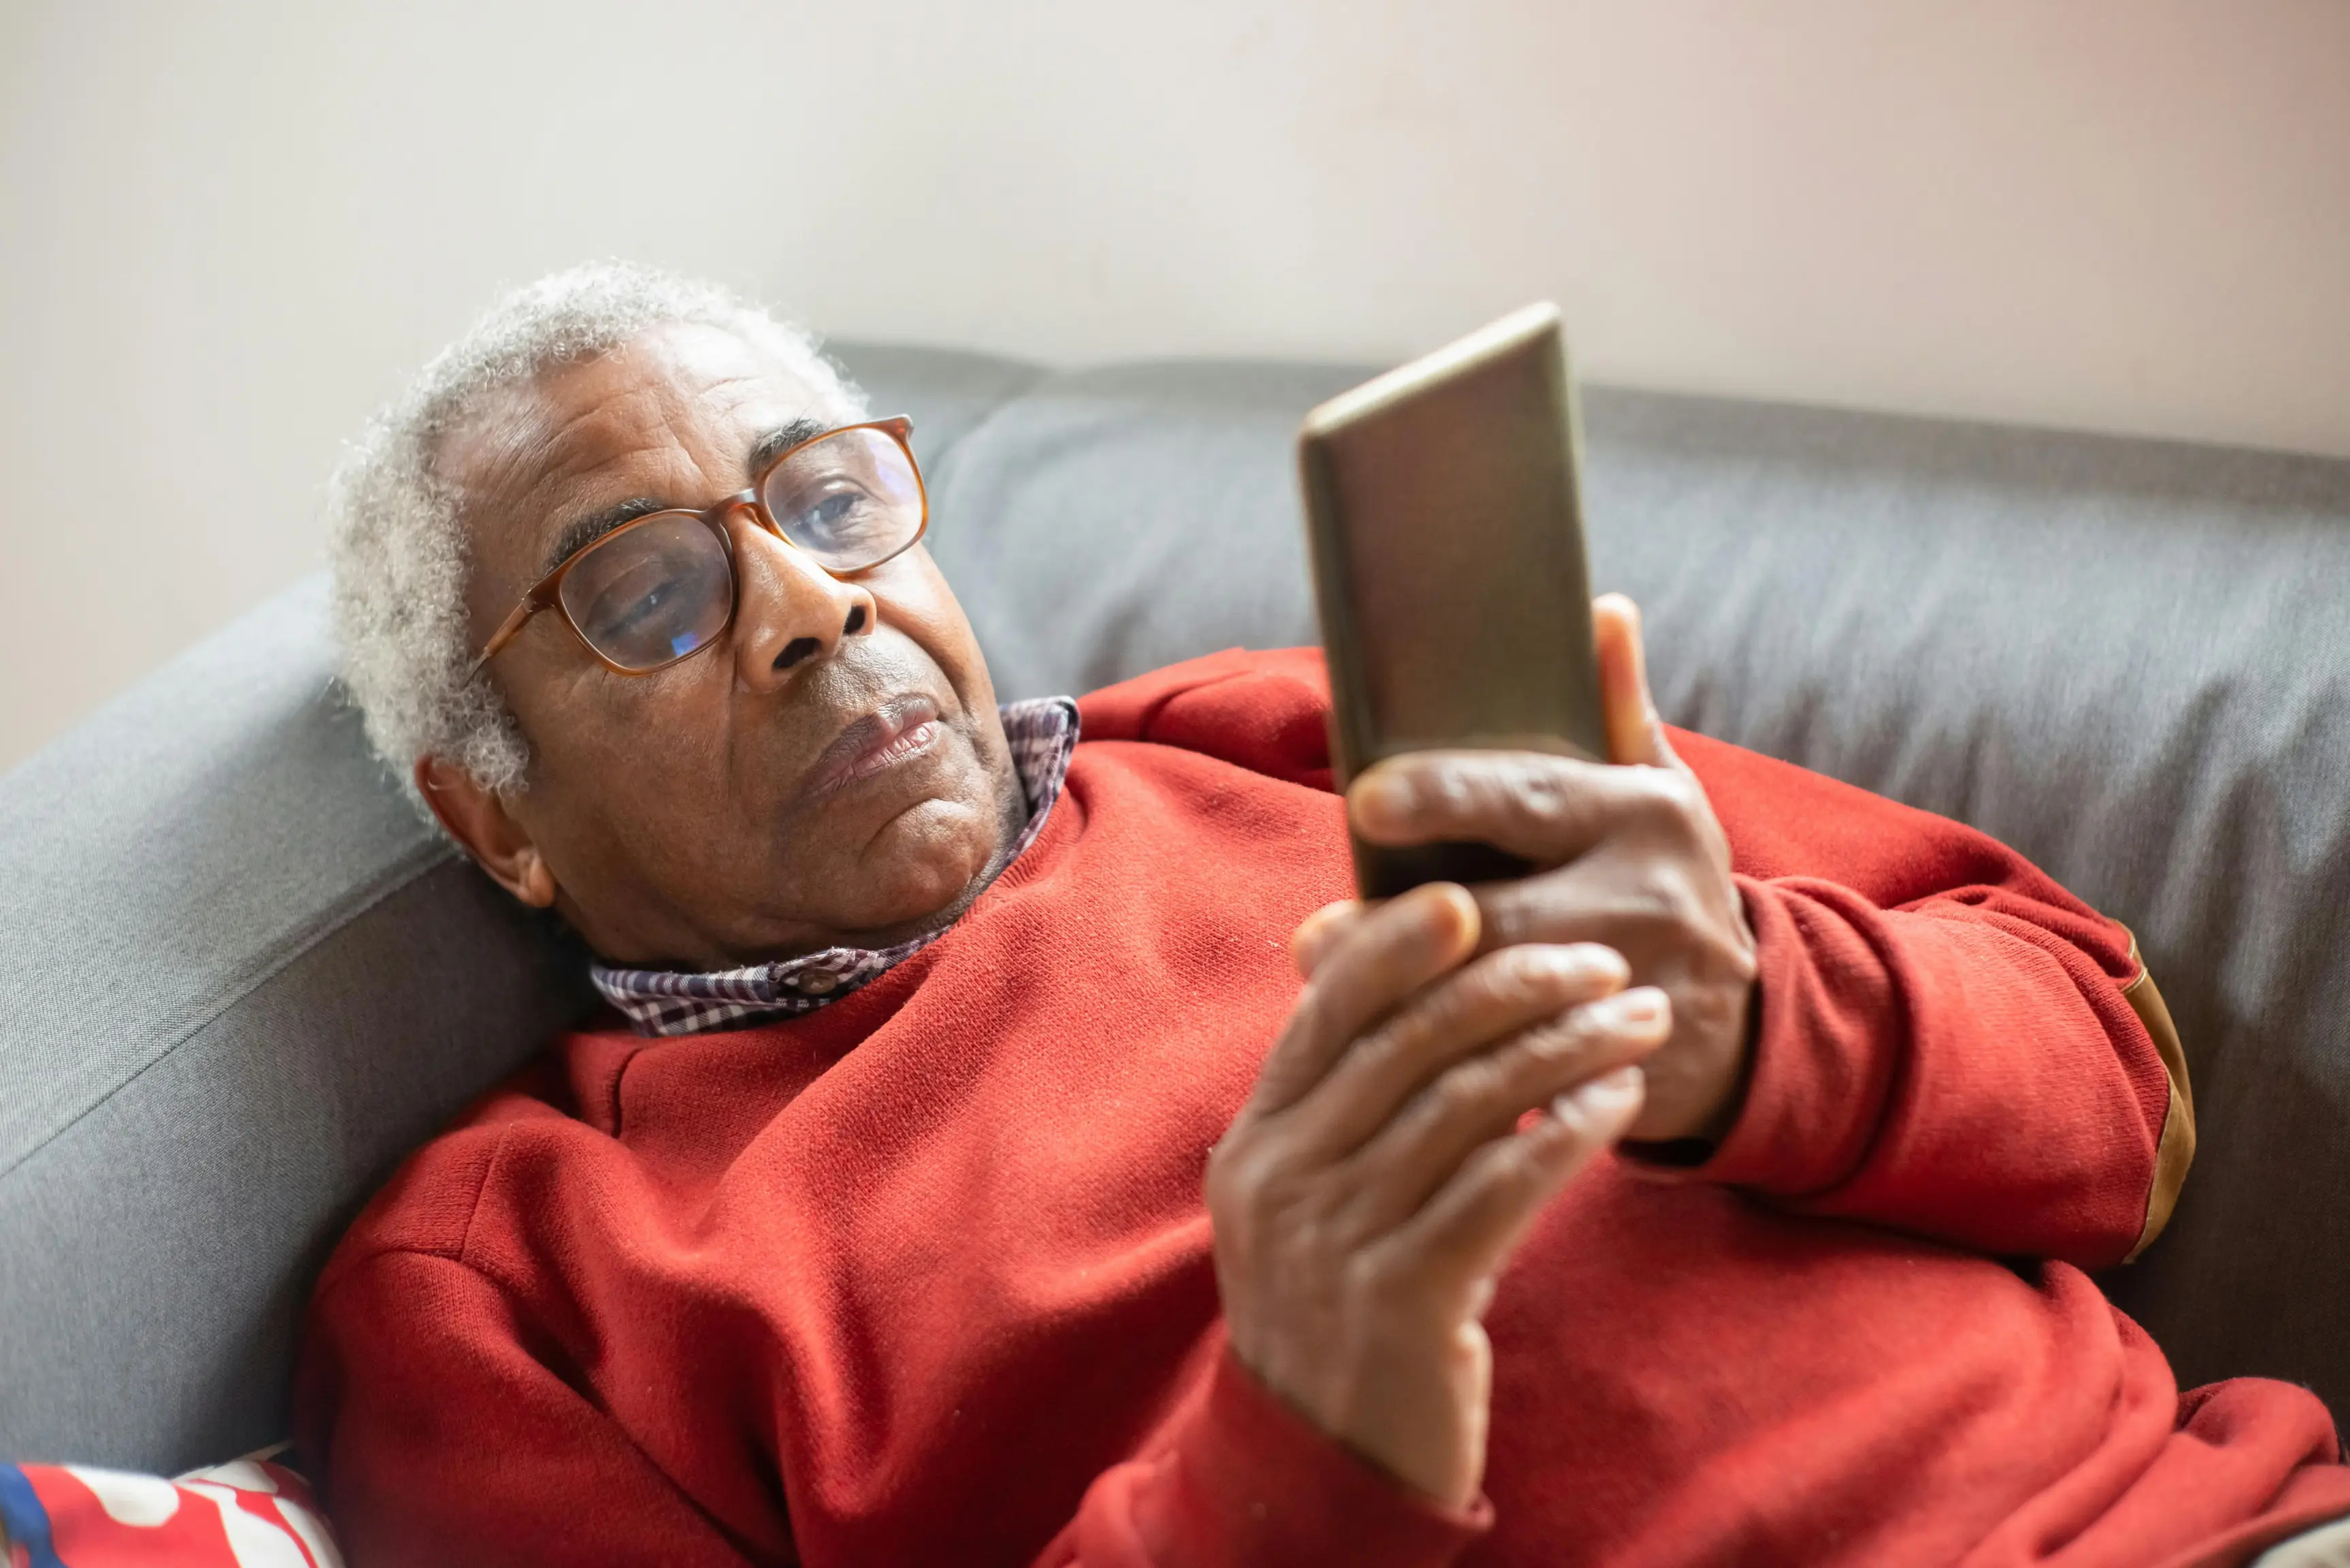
(248, 1513)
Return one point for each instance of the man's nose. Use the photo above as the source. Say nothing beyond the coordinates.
(792, 613)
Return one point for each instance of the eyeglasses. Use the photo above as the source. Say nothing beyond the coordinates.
(661, 587)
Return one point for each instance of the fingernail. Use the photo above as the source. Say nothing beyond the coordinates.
(1630, 1008)
(1464, 913)
(1383, 793)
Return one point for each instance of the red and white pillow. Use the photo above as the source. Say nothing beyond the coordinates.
(248, 1513)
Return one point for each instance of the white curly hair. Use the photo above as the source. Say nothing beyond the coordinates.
(398, 547)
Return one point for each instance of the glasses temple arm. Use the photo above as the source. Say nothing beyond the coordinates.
(507, 631)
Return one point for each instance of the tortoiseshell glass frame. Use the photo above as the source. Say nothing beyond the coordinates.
(545, 594)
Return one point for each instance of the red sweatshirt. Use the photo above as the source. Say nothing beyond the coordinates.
(924, 1276)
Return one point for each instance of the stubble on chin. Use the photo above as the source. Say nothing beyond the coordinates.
(992, 752)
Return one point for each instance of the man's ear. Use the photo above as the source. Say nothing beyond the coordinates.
(478, 820)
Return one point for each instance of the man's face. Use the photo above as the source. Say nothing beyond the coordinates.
(831, 770)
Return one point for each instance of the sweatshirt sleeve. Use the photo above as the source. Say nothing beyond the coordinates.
(1242, 1481)
(439, 1437)
(1947, 1043)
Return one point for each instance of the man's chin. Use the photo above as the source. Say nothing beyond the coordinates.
(904, 851)
(920, 867)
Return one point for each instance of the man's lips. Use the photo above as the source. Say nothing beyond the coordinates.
(901, 728)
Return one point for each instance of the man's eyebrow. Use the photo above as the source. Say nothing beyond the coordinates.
(582, 532)
(776, 442)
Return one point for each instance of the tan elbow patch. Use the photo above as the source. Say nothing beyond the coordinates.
(2176, 1151)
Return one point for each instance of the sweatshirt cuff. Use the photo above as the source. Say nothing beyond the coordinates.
(1801, 1122)
(1267, 1486)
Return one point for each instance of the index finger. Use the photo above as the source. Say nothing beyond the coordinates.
(1539, 807)
(1321, 930)
(1366, 972)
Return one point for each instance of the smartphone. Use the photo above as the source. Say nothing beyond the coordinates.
(1444, 510)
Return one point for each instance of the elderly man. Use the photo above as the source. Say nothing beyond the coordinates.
(963, 1173)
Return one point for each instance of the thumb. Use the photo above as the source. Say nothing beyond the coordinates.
(1635, 734)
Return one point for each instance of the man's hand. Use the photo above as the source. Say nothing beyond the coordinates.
(1378, 1179)
(1629, 857)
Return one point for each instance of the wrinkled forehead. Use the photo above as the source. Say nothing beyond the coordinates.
(671, 417)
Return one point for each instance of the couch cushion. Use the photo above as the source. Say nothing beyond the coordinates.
(1109, 521)
(243, 979)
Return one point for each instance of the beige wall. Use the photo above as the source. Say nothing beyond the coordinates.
(226, 229)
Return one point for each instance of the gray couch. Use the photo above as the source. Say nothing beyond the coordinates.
(241, 979)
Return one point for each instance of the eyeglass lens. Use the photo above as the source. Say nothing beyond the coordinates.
(655, 593)
(849, 499)
(664, 587)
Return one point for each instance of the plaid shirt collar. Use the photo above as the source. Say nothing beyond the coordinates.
(1042, 732)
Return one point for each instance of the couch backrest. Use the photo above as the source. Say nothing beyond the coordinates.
(245, 979)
